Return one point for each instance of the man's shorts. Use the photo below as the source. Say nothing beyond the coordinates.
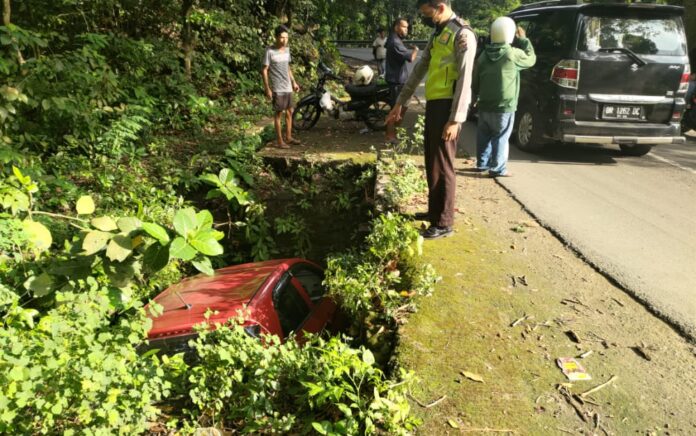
(394, 91)
(282, 101)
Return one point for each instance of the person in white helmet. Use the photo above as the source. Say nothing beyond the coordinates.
(497, 83)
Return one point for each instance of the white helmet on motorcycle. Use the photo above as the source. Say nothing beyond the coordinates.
(503, 30)
(363, 76)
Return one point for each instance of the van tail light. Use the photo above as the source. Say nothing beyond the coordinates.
(684, 83)
(676, 116)
(566, 73)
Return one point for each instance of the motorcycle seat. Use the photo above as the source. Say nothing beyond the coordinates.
(361, 91)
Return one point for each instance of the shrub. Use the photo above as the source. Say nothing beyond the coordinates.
(324, 385)
(76, 370)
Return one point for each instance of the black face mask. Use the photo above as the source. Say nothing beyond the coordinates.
(427, 21)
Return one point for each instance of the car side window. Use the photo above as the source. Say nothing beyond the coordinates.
(549, 32)
(291, 307)
(527, 24)
(312, 281)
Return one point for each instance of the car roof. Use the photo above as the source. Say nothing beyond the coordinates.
(227, 291)
(579, 4)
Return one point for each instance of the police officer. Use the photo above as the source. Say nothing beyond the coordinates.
(448, 61)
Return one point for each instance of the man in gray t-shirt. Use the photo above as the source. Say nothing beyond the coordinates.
(279, 84)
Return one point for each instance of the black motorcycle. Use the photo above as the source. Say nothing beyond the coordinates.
(370, 103)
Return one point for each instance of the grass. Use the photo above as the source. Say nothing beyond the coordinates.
(466, 326)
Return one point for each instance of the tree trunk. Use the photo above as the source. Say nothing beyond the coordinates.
(6, 12)
(186, 35)
(6, 15)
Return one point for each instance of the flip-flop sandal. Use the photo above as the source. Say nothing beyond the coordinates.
(294, 141)
(284, 146)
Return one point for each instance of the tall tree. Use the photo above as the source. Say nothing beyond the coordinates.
(6, 21)
(187, 36)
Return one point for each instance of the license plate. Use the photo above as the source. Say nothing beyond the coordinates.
(614, 112)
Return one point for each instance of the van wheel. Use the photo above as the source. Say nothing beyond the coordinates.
(635, 150)
(527, 132)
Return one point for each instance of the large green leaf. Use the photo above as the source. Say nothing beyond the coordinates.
(129, 224)
(204, 220)
(206, 244)
(185, 222)
(104, 223)
(40, 285)
(121, 273)
(203, 265)
(119, 248)
(85, 205)
(210, 178)
(156, 257)
(95, 241)
(38, 235)
(180, 249)
(75, 269)
(156, 231)
(226, 176)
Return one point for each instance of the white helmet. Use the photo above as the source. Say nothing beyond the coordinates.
(503, 30)
(363, 76)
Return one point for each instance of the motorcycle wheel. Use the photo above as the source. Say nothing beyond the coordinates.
(305, 115)
(376, 114)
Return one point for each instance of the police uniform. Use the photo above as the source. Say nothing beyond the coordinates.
(449, 66)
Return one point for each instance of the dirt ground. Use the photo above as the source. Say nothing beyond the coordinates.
(512, 300)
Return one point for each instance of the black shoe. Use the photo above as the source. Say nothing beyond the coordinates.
(434, 232)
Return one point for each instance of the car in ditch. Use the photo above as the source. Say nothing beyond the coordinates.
(606, 73)
(276, 297)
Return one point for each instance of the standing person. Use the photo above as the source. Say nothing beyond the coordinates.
(280, 84)
(497, 83)
(448, 61)
(379, 51)
(396, 67)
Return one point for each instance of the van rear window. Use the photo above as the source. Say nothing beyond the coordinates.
(646, 35)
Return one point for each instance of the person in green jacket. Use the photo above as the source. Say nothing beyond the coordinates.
(497, 84)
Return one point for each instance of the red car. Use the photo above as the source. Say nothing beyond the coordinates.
(276, 297)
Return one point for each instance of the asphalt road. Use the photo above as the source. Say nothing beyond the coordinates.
(633, 218)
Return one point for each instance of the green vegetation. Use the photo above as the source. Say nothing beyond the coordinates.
(127, 163)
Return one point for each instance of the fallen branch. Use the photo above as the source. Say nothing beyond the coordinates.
(598, 387)
(436, 402)
(519, 320)
(572, 401)
(428, 406)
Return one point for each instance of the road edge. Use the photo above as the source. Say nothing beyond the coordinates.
(684, 330)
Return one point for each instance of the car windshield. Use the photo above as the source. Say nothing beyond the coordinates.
(643, 35)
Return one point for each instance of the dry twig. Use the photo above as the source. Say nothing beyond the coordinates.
(598, 387)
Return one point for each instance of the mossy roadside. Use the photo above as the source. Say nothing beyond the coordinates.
(501, 268)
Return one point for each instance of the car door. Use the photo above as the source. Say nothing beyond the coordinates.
(550, 33)
(291, 307)
(323, 308)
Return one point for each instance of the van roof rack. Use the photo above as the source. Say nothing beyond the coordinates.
(587, 2)
(550, 3)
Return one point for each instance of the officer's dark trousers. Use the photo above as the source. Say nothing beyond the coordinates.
(439, 164)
